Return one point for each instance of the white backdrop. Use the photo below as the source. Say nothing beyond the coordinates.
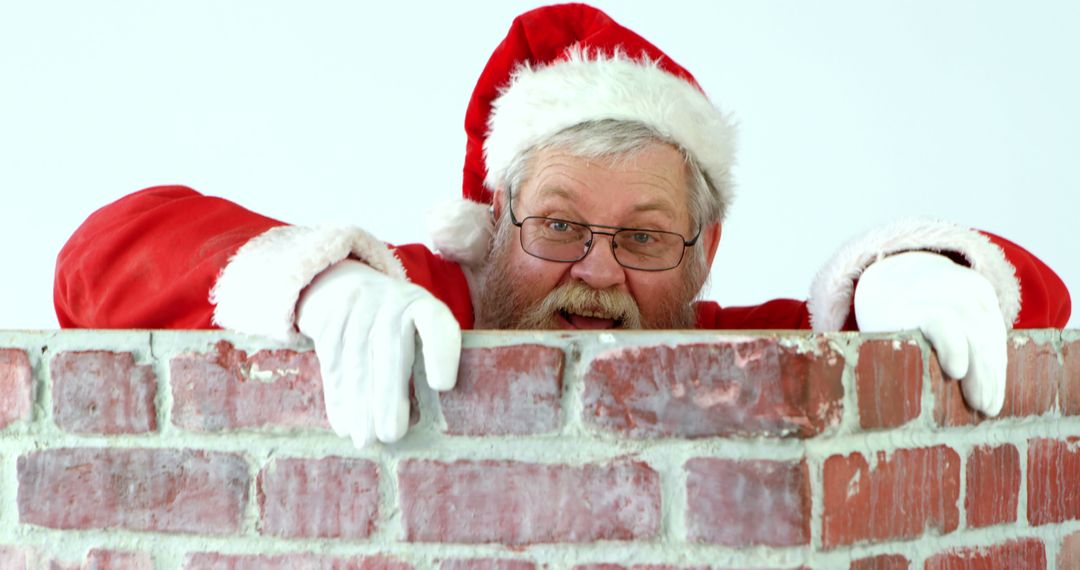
(851, 114)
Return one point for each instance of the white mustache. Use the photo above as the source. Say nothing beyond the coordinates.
(580, 299)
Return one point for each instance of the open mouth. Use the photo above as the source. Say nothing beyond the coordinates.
(590, 321)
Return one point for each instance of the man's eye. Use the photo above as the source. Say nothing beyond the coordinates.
(558, 226)
(642, 238)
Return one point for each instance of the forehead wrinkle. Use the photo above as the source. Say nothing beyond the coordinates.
(658, 179)
(549, 163)
(545, 187)
(541, 178)
(557, 179)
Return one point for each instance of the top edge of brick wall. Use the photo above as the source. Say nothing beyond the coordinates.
(640, 385)
(183, 339)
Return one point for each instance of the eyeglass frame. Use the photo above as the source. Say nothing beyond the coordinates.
(592, 237)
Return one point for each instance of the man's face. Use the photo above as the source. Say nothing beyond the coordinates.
(646, 190)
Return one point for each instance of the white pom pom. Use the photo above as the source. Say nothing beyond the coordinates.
(461, 231)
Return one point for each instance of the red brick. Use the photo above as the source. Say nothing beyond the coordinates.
(293, 561)
(993, 485)
(227, 390)
(882, 562)
(103, 392)
(1012, 555)
(509, 390)
(165, 490)
(769, 499)
(736, 387)
(898, 498)
(36, 558)
(888, 382)
(1032, 381)
(1068, 557)
(15, 558)
(516, 503)
(950, 409)
(331, 497)
(117, 560)
(487, 564)
(1070, 379)
(1053, 471)
(16, 384)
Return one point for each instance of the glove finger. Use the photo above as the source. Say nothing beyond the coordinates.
(948, 335)
(441, 337)
(355, 396)
(984, 385)
(362, 437)
(392, 341)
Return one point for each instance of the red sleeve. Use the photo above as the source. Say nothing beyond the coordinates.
(150, 259)
(1044, 300)
(443, 279)
(775, 314)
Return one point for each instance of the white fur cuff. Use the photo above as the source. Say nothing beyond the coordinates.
(833, 288)
(257, 290)
(461, 231)
(591, 86)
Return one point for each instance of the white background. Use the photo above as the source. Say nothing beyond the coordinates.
(851, 114)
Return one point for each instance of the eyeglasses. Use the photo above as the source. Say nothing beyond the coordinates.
(553, 239)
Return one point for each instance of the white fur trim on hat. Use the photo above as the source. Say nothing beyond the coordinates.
(834, 286)
(541, 101)
(257, 290)
(461, 231)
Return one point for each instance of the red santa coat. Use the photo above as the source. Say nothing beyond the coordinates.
(169, 257)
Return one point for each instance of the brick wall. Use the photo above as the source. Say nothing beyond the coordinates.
(167, 450)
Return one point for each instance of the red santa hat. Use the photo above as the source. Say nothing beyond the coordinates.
(560, 66)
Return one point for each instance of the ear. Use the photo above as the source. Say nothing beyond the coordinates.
(498, 202)
(710, 240)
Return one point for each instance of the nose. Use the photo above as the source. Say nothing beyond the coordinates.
(598, 269)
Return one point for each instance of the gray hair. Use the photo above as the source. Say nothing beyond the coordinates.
(613, 138)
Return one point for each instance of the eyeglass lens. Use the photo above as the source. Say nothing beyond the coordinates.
(560, 240)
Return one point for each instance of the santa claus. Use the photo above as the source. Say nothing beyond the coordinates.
(597, 177)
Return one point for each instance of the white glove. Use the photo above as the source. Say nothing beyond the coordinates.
(954, 307)
(362, 324)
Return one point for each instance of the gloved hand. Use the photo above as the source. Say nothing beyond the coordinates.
(954, 307)
(363, 325)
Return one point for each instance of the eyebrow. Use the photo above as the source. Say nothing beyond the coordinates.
(662, 206)
(557, 192)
